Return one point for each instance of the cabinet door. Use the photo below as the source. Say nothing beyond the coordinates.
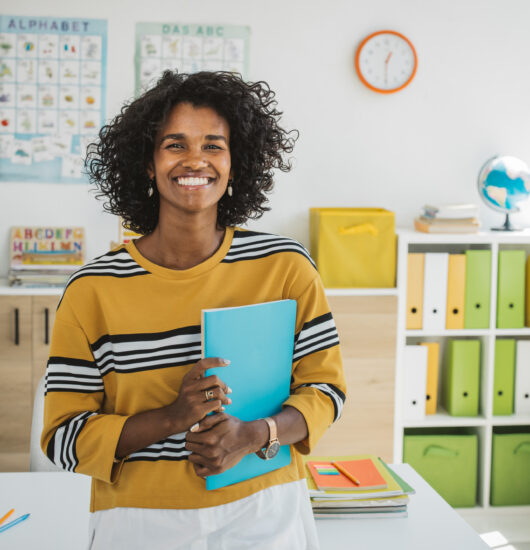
(43, 313)
(367, 332)
(15, 389)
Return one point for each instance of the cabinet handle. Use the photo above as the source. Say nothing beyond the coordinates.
(46, 326)
(17, 333)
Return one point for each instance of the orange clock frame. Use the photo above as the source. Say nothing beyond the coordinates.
(358, 68)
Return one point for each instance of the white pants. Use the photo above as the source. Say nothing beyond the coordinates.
(279, 517)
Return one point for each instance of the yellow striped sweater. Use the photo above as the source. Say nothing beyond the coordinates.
(127, 331)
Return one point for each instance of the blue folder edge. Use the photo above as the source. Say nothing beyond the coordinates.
(259, 373)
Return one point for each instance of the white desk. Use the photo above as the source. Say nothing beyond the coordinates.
(431, 524)
(58, 503)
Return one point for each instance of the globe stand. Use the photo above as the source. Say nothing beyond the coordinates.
(507, 226)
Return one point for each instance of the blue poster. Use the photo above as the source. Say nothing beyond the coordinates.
(52, 96)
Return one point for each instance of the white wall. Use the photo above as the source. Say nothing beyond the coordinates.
(468, 101)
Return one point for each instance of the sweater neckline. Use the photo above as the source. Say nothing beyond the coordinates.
(199, 269)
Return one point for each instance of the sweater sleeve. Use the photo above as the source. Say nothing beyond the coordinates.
(77, 436)
(318, 387)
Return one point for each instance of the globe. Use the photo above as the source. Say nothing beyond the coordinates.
(503, 184)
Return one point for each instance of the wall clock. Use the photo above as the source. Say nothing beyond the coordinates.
(386, 61)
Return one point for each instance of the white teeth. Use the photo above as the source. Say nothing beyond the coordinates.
(192, 181)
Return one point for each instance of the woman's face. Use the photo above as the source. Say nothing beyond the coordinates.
(191, 161)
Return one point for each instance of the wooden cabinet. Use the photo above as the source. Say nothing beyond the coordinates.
(23, 355)
(42, 317)
(367, 333)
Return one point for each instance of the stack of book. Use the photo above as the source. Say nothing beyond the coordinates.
(356, 486)
(45, 256)
(452, 218)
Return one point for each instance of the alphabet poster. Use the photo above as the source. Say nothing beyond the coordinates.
(189, 48)
(52, 96)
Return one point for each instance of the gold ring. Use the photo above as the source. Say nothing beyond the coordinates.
(208, 394)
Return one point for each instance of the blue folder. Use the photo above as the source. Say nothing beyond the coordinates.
(258, 340)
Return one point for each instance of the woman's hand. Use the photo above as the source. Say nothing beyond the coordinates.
(191, 406)
(221, 441)
(193, 403)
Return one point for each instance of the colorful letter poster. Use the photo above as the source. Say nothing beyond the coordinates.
(189, 48)
(52, 95)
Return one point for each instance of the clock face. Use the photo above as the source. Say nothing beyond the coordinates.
(386, 61)
(273, 450)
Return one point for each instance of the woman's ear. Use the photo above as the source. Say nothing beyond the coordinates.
(150, 172)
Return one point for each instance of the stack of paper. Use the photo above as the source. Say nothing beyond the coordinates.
(452, 218)
(378, 491)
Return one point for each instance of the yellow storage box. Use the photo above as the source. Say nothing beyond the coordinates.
(354, 247)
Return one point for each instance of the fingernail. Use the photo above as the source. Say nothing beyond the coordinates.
(222, 408)
(195, 427)
(225, 361)
(228, 389)
(229, 401)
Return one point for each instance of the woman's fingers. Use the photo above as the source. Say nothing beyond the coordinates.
(211, 382)
(198, 370)
(207, 423)
(216, 394)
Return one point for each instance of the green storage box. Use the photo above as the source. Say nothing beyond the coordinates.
(447, 462)
(510, 468)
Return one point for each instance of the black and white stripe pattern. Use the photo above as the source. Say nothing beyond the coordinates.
(61, 448)
(316, 335)
(117, 263)
(251, 245)
(337, 397)
(139, 352)
(64, 374)
(172, 448)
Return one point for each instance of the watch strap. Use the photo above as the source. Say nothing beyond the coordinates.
(273, 429)
(273, 437)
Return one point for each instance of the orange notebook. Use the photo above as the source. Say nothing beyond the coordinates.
(363, 470)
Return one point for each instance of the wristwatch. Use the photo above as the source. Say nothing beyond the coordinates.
(272, 448)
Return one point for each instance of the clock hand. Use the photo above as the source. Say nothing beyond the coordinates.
(386, 66)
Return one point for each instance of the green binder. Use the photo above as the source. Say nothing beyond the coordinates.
(462, 373)
(511, 289)
(504, 377)
(477, 293)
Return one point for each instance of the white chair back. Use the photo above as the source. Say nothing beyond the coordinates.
(38, 461)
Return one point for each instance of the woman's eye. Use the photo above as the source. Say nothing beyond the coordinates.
(212, 146)
(175, 146)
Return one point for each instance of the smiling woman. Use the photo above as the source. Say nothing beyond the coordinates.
(127, 400)
(118, 163)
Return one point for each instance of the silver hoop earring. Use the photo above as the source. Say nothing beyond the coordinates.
(151, 188)
(229, 189)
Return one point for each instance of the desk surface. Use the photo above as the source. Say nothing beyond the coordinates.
(58, 503)
(431, 523)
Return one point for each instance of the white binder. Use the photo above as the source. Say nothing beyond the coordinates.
(522, 377)
(435, 290)
(414, 382)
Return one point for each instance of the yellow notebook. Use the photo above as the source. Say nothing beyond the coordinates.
(433, 356)
(456, 283)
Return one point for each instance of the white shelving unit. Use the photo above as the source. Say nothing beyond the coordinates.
(411, 241)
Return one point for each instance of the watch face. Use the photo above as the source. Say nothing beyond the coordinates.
(272, 451)
(386, 61)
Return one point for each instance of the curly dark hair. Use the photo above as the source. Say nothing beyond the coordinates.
(117, 162)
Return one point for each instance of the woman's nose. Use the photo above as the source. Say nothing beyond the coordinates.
(195, 160)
